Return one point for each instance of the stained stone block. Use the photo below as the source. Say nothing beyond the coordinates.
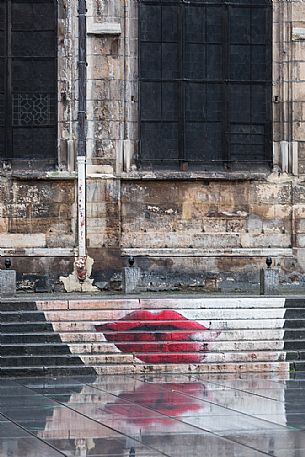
(269, 281)
(131, 279)
(104, 28)
(7, 283)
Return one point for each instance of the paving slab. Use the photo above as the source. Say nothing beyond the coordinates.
(223, 415)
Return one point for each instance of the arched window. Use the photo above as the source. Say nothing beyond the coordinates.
(205, 83)
(28, 80)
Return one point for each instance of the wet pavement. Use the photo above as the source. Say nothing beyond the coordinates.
(250, 414)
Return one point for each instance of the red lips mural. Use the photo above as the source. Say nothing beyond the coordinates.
(163, 337)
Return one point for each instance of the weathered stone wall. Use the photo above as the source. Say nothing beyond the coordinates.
(38, 208)
(211, 231)
(104, 227)
(206, 215)
(215, 231)
(37, 227)
(186, 229)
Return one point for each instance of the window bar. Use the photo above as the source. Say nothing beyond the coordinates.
(4, 90)
(162, 80)
(226, 86)
(183, 164)
(139, 160)
(268, 87)
(8, 87)
(251, 86)
(206, 84)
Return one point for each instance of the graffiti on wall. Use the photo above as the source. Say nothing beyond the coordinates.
(156, 337)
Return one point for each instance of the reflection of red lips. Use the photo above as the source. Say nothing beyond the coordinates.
(166, 336)
(167, 401)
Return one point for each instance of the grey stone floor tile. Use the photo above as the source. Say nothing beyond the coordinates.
(275, 443)
(208, 415)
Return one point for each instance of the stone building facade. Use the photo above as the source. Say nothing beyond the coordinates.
(202, 221)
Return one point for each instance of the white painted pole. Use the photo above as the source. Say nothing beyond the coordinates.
(81, 168)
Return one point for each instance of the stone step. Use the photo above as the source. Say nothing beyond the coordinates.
(59, 370)
(249, 324)
(22, 327)
(87, 326)
(18, 305)
(170, 303)
(153, 303)
(294, 324)
(295, 313)
(28, 338)
(295, 355)
(159, 347)
(212, 324)
(294, 334)
(152, 315)
(297, 365)
(295, 303)
(144, 315)
(100, 369)
(40, 349)
(140, 357)
(294, 344)
(22, 316)
(65, 359)
(206, 335)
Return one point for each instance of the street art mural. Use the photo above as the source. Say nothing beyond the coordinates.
(116, 336)
(154, 337)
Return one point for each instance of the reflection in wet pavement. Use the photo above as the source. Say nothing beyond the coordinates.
(245, 415)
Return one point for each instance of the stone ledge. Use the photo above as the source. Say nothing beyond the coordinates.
(37, 252)
(204, 175)
(191, 252)
(29, 175)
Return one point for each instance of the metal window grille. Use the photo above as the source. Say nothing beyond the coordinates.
(205, 73)
(28, 80)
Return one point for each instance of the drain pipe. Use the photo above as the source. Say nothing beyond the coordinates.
(80, 263)
(81, 168)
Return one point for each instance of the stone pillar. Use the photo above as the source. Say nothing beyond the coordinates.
(269, 281)
(7, 283)
(131, 279)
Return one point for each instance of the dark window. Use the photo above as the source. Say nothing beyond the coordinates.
(28, 79)
(205, 83)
